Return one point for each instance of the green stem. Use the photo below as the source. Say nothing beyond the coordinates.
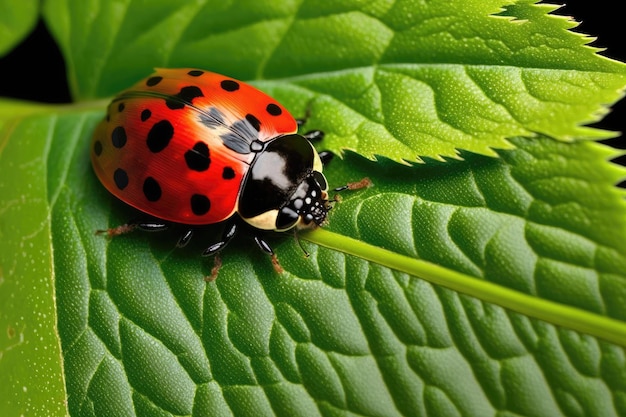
(563, 315)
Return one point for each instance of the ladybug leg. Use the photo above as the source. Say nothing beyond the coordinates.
(215, 270)
(185, 238)
(314, 135)
(326, 157)
(302, 121)
(363, 183)
(227, 236)
(265, 247)
(148, 226)
(151, 226)
(214, 249)
(116, 231)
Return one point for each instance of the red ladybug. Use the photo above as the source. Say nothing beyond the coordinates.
(195, 147)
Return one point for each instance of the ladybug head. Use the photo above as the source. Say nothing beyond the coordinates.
(284, 187)
(308, 206)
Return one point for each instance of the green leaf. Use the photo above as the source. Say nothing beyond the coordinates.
(142, 332)
(11, 108)
(511, 229)
(488, 280)
(16, 21)
(402, 80)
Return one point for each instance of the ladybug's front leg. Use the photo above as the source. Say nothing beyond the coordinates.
(326, 157)
(316, 136)
(357, 185)
(311, 135)
(265, 247)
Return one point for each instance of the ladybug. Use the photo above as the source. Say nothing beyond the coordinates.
(195, 147)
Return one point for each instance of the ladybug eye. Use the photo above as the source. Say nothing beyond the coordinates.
(320, 179)
(286, 218)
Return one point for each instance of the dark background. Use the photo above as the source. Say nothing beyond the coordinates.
(34, 70)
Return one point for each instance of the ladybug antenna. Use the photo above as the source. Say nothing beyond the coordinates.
(297, 238)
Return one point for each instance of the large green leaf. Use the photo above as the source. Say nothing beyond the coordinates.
(143, 333)
(398, 79)
(488, 280)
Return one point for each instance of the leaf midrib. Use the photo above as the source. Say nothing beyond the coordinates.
(609, 329)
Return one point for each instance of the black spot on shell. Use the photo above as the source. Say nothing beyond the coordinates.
(160, 135)
(120, 107)
(184, 96)
(189, 93)
(121, 178)
(152, 81)
(228, 173)
(229, 85)
(195, 73)
(145, 115)
(173, 104)
(152, 189)
(256, 123)
(118, 137)
(197, 158)
(200, 204)
(97, 148)
(273, 109)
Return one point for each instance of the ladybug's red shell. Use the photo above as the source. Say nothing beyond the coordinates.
(176, 145)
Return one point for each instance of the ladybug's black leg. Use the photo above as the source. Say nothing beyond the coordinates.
(227, 236)
(214, 249)
(314, 135)
(326, 157)
(148, 226)
(185, 238)
(265, 247)
(151, 226)
(302, 121)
